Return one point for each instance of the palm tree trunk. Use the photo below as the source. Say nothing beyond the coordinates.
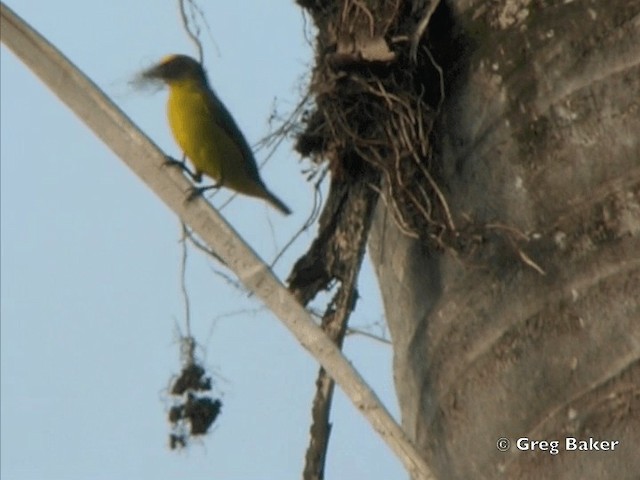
(530, 326)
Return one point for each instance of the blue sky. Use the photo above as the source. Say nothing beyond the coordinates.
(90, 292)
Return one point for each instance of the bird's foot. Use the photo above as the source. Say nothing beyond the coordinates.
(182, 165)
(169, 161)
(195, 192)
(192, 194)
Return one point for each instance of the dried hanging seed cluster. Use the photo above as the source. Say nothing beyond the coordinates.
(194, 409)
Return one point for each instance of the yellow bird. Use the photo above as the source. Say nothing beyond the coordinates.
(206, 132)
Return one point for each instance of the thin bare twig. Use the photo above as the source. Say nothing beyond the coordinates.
(364, 333)
(193, 36)
(422, 27)
(183, 281)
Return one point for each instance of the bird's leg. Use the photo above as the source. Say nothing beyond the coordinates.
(182, 164)
(197, 191)
(169, 161)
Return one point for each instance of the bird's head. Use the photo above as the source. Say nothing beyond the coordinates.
(175, 69)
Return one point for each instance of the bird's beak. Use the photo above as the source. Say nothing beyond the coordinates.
(158, 72)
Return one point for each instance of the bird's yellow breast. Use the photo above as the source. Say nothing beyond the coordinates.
(192, 118)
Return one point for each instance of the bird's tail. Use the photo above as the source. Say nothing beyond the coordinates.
(258, 189)
(276, 202)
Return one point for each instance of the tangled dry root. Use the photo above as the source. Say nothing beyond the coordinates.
(375, 106)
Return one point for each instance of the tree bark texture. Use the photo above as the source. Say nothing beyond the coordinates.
(533, 329)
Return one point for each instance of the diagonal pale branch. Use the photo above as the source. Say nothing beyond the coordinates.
(112, 126)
